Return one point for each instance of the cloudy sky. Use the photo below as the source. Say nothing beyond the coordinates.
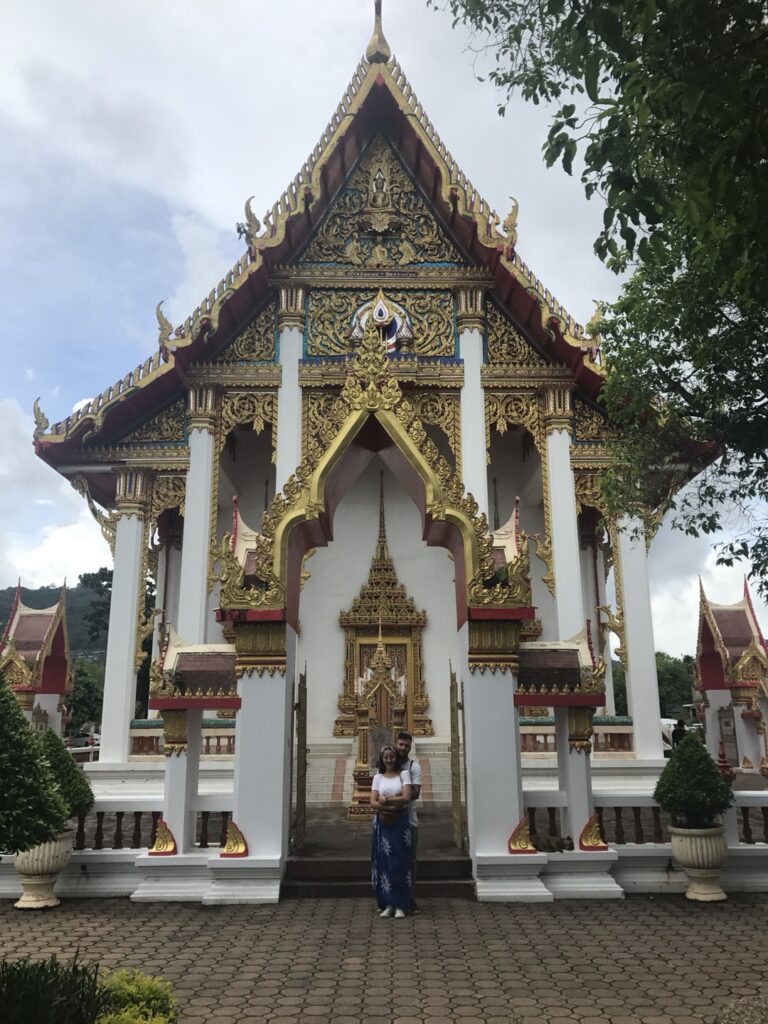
(131, 136)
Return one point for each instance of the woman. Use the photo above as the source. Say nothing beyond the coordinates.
(390, 847)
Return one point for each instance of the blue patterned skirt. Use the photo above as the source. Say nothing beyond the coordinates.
(391, 863)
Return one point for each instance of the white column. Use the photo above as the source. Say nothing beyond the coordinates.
(120, 673)
(574, 774)
(604, 645)
(474, 465)
(635, 599)
(263, 745)
(291, 342)
(180, 790)
(565, 535)
(495, 804)
(749, 743)
(193, 586)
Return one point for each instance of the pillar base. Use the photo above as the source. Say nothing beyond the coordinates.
(574, 875)
(247, 880)
(511, 879)
(182, 878)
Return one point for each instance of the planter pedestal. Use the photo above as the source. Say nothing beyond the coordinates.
(38, 870)
(700, 852)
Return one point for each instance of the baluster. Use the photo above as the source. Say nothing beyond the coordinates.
(554, 831)
(98, 839)
(223, 833)
(532, 830)
(619, 826)
(636, 814)
(600, 824)
(117, 842)
(748, 838)
(136, 837)
(156, 816)
(80, 836)
(765, 823)
(658, 836)
(204, 816)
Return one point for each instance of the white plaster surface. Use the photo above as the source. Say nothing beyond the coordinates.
(336, 575)
(565, 536)
(289, 406)
(193, 599)
(473, 457)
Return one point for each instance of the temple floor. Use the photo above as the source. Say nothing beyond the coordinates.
(642, 960)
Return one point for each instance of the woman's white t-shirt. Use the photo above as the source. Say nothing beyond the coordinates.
(391, 787)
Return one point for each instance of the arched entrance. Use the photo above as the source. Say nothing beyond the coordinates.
(261, 596)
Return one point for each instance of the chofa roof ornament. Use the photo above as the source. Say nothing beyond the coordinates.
(378, 51)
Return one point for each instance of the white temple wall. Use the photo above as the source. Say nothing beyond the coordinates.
(516, 466)
(336, 575)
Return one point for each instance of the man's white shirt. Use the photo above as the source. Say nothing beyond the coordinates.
(415, 769)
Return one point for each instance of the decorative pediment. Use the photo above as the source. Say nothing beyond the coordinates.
(380, 220)
(169, 426)
(255, 343)
(752, 666)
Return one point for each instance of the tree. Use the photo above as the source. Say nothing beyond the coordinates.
(666, 102)
(74, 787)
(99, 583)
(32, 810)
(87, 693)
(675, 677)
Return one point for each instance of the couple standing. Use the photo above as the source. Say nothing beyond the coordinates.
(394, 791)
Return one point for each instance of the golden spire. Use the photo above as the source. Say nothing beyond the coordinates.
(378, 51)
(381, 545)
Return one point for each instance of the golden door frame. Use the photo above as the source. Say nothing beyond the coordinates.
(403, 640)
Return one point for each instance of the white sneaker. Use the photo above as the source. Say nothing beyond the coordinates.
(389, 912)
(399, 913)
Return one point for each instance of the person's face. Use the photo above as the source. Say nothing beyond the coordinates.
(403, 746)
(389, 757)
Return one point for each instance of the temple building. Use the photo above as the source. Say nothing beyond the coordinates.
(732, 682)
(364, 475)
(35, 661)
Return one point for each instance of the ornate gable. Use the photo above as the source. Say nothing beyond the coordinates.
(380, 220)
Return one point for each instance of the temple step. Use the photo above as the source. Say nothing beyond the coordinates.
(317, 877)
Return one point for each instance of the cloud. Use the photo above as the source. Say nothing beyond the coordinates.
(46, 532)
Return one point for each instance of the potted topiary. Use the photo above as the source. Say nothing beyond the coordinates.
(32, 810)
(694, 793)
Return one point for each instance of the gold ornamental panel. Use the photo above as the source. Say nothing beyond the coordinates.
(331, 312)
(166, 426)
(380, 220)
(256, 342)
(506, 345)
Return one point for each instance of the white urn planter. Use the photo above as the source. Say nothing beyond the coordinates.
(700, 852)
(38, 870)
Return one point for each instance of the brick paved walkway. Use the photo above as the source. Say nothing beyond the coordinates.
(638, 961)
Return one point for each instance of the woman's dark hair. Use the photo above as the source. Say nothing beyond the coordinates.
(382, 767)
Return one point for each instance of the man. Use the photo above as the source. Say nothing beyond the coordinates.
(403, 745)
(678, 733)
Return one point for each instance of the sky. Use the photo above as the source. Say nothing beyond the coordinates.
(131, 136)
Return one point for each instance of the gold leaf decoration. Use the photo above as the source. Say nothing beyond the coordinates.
(331, 312)
(256, 342)
(166, 425)
(380, 219)
(506, 346)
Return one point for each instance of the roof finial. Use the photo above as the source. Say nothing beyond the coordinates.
(378, 51)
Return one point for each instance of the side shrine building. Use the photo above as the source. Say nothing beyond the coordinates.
(364, 476)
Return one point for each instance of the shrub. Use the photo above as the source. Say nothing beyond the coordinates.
(134, 1016)
(31, 808)
(70, 777)
(49, 992)
(691, 788)
(137, 992)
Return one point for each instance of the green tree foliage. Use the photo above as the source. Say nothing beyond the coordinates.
(87, 693)
(32, 810)
(73, 785)
(666, 104)
(691, 788)
(675, 677)
(99, 585)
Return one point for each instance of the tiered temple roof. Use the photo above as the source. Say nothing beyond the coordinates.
(34, 650)
(731, 649)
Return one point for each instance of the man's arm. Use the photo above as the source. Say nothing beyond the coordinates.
(415, 780)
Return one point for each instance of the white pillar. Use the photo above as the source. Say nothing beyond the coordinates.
(603, 638)
(180, 790)
(565, 535)
(574, 774)
(193, 586)
(495, 804)
(748, 741)
(291, 343)
(474, 462)
(263, 745)
(127, 591)
(635, 600)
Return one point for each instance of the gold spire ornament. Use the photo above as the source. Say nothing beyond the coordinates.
(378, 51)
